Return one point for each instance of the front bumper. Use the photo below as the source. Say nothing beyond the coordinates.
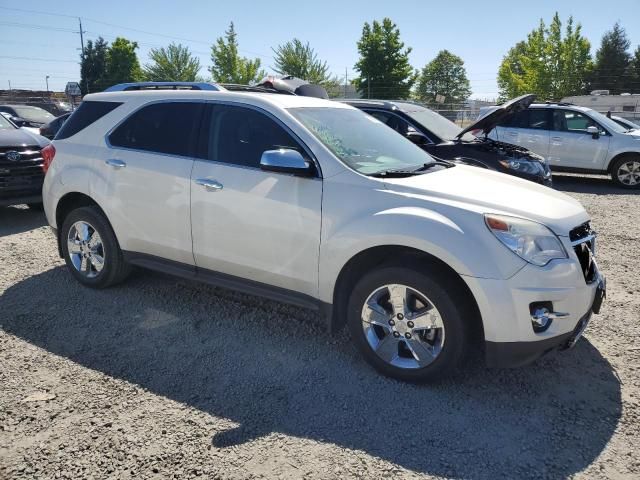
(504, 305)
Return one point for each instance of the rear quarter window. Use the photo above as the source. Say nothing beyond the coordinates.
(86, 114)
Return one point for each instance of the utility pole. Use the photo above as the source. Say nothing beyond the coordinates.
(82, 32)
(9, 85)
(47, 80)
(345, 82)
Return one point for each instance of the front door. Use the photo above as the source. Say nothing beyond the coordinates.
(246, 222)
(572, 146)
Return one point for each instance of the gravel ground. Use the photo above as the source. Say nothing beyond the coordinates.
(164, 378)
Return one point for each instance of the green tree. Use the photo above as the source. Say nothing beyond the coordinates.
(300, 60)
(384, 68)
(634, 72)
(93, 66)
(547, 63)
(610, 71)
(228, 66)
(172, 64)
(444, 75)
(122, 62)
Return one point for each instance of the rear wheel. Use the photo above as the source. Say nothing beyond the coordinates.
(626, 171)
(406, 324)
(91, 250)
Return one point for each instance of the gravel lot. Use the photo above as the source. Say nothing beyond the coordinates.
(162, 378)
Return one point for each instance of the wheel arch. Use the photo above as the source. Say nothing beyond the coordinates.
(618, 157)
(69, 202)
(373, 257)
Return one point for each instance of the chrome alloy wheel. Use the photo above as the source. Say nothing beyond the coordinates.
(86, 250)
(402, 326)
(629, 172)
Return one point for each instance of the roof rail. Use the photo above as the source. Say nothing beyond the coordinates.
(123, 87)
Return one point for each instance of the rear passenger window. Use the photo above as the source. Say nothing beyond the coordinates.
(538, 119)
(239, 136)
(86, 114)
(169, 127)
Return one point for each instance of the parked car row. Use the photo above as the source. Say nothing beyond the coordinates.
(319, 204)
(575, 139)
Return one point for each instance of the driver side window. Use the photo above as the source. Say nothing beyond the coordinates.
(572, 121)
(239, 136)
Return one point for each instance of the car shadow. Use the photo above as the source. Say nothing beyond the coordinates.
(271, 368)
(599, 185)
(20, 219)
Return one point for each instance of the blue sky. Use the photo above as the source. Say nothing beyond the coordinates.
(34, 45)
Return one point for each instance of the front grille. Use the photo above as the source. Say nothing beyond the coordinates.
(22, 177)
(583, 239)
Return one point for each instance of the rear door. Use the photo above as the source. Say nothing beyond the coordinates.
(528, 128)
(247, 222)
(571, 146)
(148, 175)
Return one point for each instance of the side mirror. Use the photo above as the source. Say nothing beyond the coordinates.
(417, 138)
(285, 160)
(18, 121)
(594, 132)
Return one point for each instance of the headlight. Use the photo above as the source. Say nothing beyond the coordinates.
(524, 166)
(531, 241)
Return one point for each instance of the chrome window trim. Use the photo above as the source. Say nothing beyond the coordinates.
(206, 102)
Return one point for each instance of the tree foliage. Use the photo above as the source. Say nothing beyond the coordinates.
(93, 66)
(122, 62)
(634, 72)
(547, 63)
(300, 60)
(172, 64)
(612, 62)
(384, 68)
(444, 75)
(228, 66)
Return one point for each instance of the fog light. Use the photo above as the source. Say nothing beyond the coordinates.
(542, 315)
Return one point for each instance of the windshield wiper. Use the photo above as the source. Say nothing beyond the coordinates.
(404, 172)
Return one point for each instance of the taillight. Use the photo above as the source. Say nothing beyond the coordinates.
(48, 153)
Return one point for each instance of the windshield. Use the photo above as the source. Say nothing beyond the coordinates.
(33, 114)
(359, 140)
(607, 122)
(5, 124)
(439, 125)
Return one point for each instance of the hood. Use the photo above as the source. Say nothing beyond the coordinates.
(293, 85)
(19, 137)
(498, 114)
(486, 191)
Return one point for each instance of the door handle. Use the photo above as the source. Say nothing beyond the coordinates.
(112, 162)
(513, 134)
(556, 139)
(210, 184)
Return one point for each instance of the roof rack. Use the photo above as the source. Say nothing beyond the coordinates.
(564, 104)
(124, 87)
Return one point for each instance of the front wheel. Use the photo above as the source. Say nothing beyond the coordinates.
(406, 324)
(626, 171)
(91, 250)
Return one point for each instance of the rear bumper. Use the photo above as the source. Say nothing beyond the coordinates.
(4, 202)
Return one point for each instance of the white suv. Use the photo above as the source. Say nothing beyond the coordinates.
(576, 139)
(316, 203)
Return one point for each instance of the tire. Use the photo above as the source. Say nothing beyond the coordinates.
(625, 171)
(84, 262)
(448, 342)
(36, 206)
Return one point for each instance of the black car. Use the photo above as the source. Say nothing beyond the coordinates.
(50, 129)
(21, 173)
(27, 115)
(445, 140)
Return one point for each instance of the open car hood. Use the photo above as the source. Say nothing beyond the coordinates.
(293, 85)
(498, 114)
